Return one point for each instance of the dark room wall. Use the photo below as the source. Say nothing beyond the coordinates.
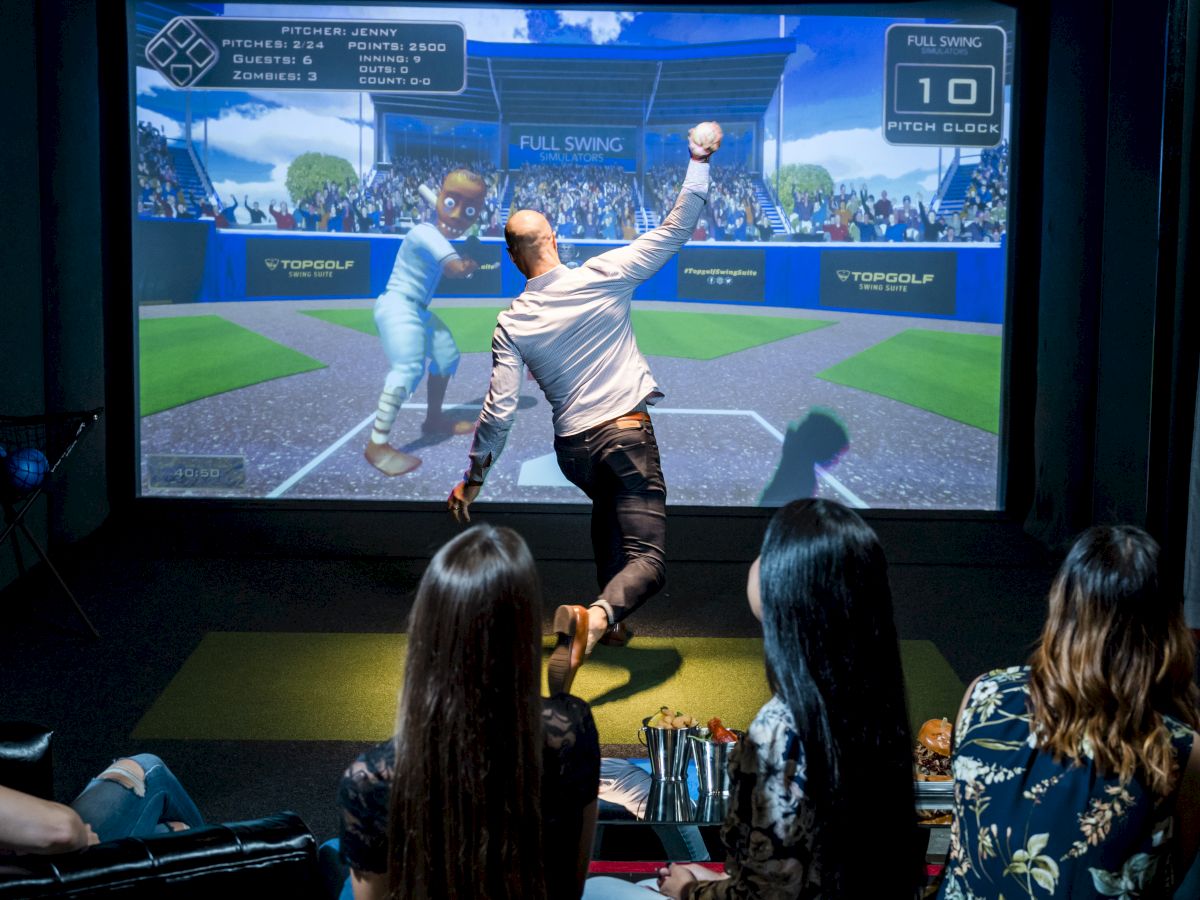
(52, 339)
(21, 357)
(1105, 216)
(73, 225)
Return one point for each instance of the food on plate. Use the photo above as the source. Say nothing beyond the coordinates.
(719, 733)
(931, 755)
(716, 732)
(664, 718)
(931, 762)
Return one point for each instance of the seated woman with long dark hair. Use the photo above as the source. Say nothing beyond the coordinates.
(486, 790)
(822, 802)
(1078, 775)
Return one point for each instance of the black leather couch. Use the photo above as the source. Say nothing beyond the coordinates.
(275, 856)
(26, 763)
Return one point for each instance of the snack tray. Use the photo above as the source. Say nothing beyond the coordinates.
(934, 794)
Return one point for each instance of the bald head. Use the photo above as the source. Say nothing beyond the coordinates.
(531, 242)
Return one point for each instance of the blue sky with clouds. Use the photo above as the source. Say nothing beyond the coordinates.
(832, 88)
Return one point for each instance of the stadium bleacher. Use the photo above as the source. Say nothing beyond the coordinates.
(579, 201)
(172, 182)
(740, 206)
(593, 201)
(192, 180)
(773, 213)
(971, 205)
(954, 196)
(163, 189)
(973, 195)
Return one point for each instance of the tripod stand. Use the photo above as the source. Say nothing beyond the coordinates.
(52, 437)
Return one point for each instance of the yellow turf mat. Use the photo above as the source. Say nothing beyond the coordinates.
(343, 687)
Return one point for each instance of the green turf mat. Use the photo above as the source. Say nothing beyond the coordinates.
(188, 358)
(287, 686)
(953, 375)
(687, 335)
(934, 691)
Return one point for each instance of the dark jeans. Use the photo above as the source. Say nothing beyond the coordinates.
(618, 467)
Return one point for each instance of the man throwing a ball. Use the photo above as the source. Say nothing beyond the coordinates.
(571, 327)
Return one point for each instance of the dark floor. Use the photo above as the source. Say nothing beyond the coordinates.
(153, 611)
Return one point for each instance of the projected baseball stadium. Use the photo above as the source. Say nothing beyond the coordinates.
(833, 328)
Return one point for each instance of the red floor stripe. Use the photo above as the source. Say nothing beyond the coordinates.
(616, 867)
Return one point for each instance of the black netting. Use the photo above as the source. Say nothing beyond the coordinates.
(23, 438)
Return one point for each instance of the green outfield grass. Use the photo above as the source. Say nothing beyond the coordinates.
(687, 335)
(697, 335)
(186, 358)
(343, 687)
(953, 375)
(472, 326)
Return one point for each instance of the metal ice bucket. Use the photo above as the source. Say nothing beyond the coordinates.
(668, 750)
(669, 801)
(712, 769)
(712, 808)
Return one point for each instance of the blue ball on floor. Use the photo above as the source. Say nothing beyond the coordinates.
(26, 468)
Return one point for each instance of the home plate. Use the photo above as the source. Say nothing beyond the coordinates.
(542, 471)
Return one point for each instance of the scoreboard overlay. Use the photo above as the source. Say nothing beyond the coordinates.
(944, 85)
(229, 53)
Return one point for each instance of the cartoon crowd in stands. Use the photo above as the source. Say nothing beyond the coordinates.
(597, 202)
(735, 210)
(159, 192)
(849, 215)
(579, 201)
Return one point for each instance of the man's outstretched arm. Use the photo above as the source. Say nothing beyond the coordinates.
(495, 420)
(650, 252)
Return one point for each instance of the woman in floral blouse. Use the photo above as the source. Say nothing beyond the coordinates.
(1078, 775)
(822, 801)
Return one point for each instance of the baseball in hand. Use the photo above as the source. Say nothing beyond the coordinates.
(704, 139)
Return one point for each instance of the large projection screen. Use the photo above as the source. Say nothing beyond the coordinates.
(834, 328)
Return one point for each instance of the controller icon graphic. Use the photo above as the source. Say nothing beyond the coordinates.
(181, 52)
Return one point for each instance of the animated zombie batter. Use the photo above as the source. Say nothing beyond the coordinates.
(410, 332)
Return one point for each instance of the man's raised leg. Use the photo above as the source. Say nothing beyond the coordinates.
(639, 515)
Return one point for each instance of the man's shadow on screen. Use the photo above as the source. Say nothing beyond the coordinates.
(819, 440)
(648, 667)
(460, 412)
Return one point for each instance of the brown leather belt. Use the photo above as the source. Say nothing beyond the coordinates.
(631, 420)
(634, 419)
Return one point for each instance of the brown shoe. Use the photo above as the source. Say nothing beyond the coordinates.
(388, 460)
(571, 626)
(617, 635)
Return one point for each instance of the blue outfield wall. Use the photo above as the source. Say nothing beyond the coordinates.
(960, 282)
